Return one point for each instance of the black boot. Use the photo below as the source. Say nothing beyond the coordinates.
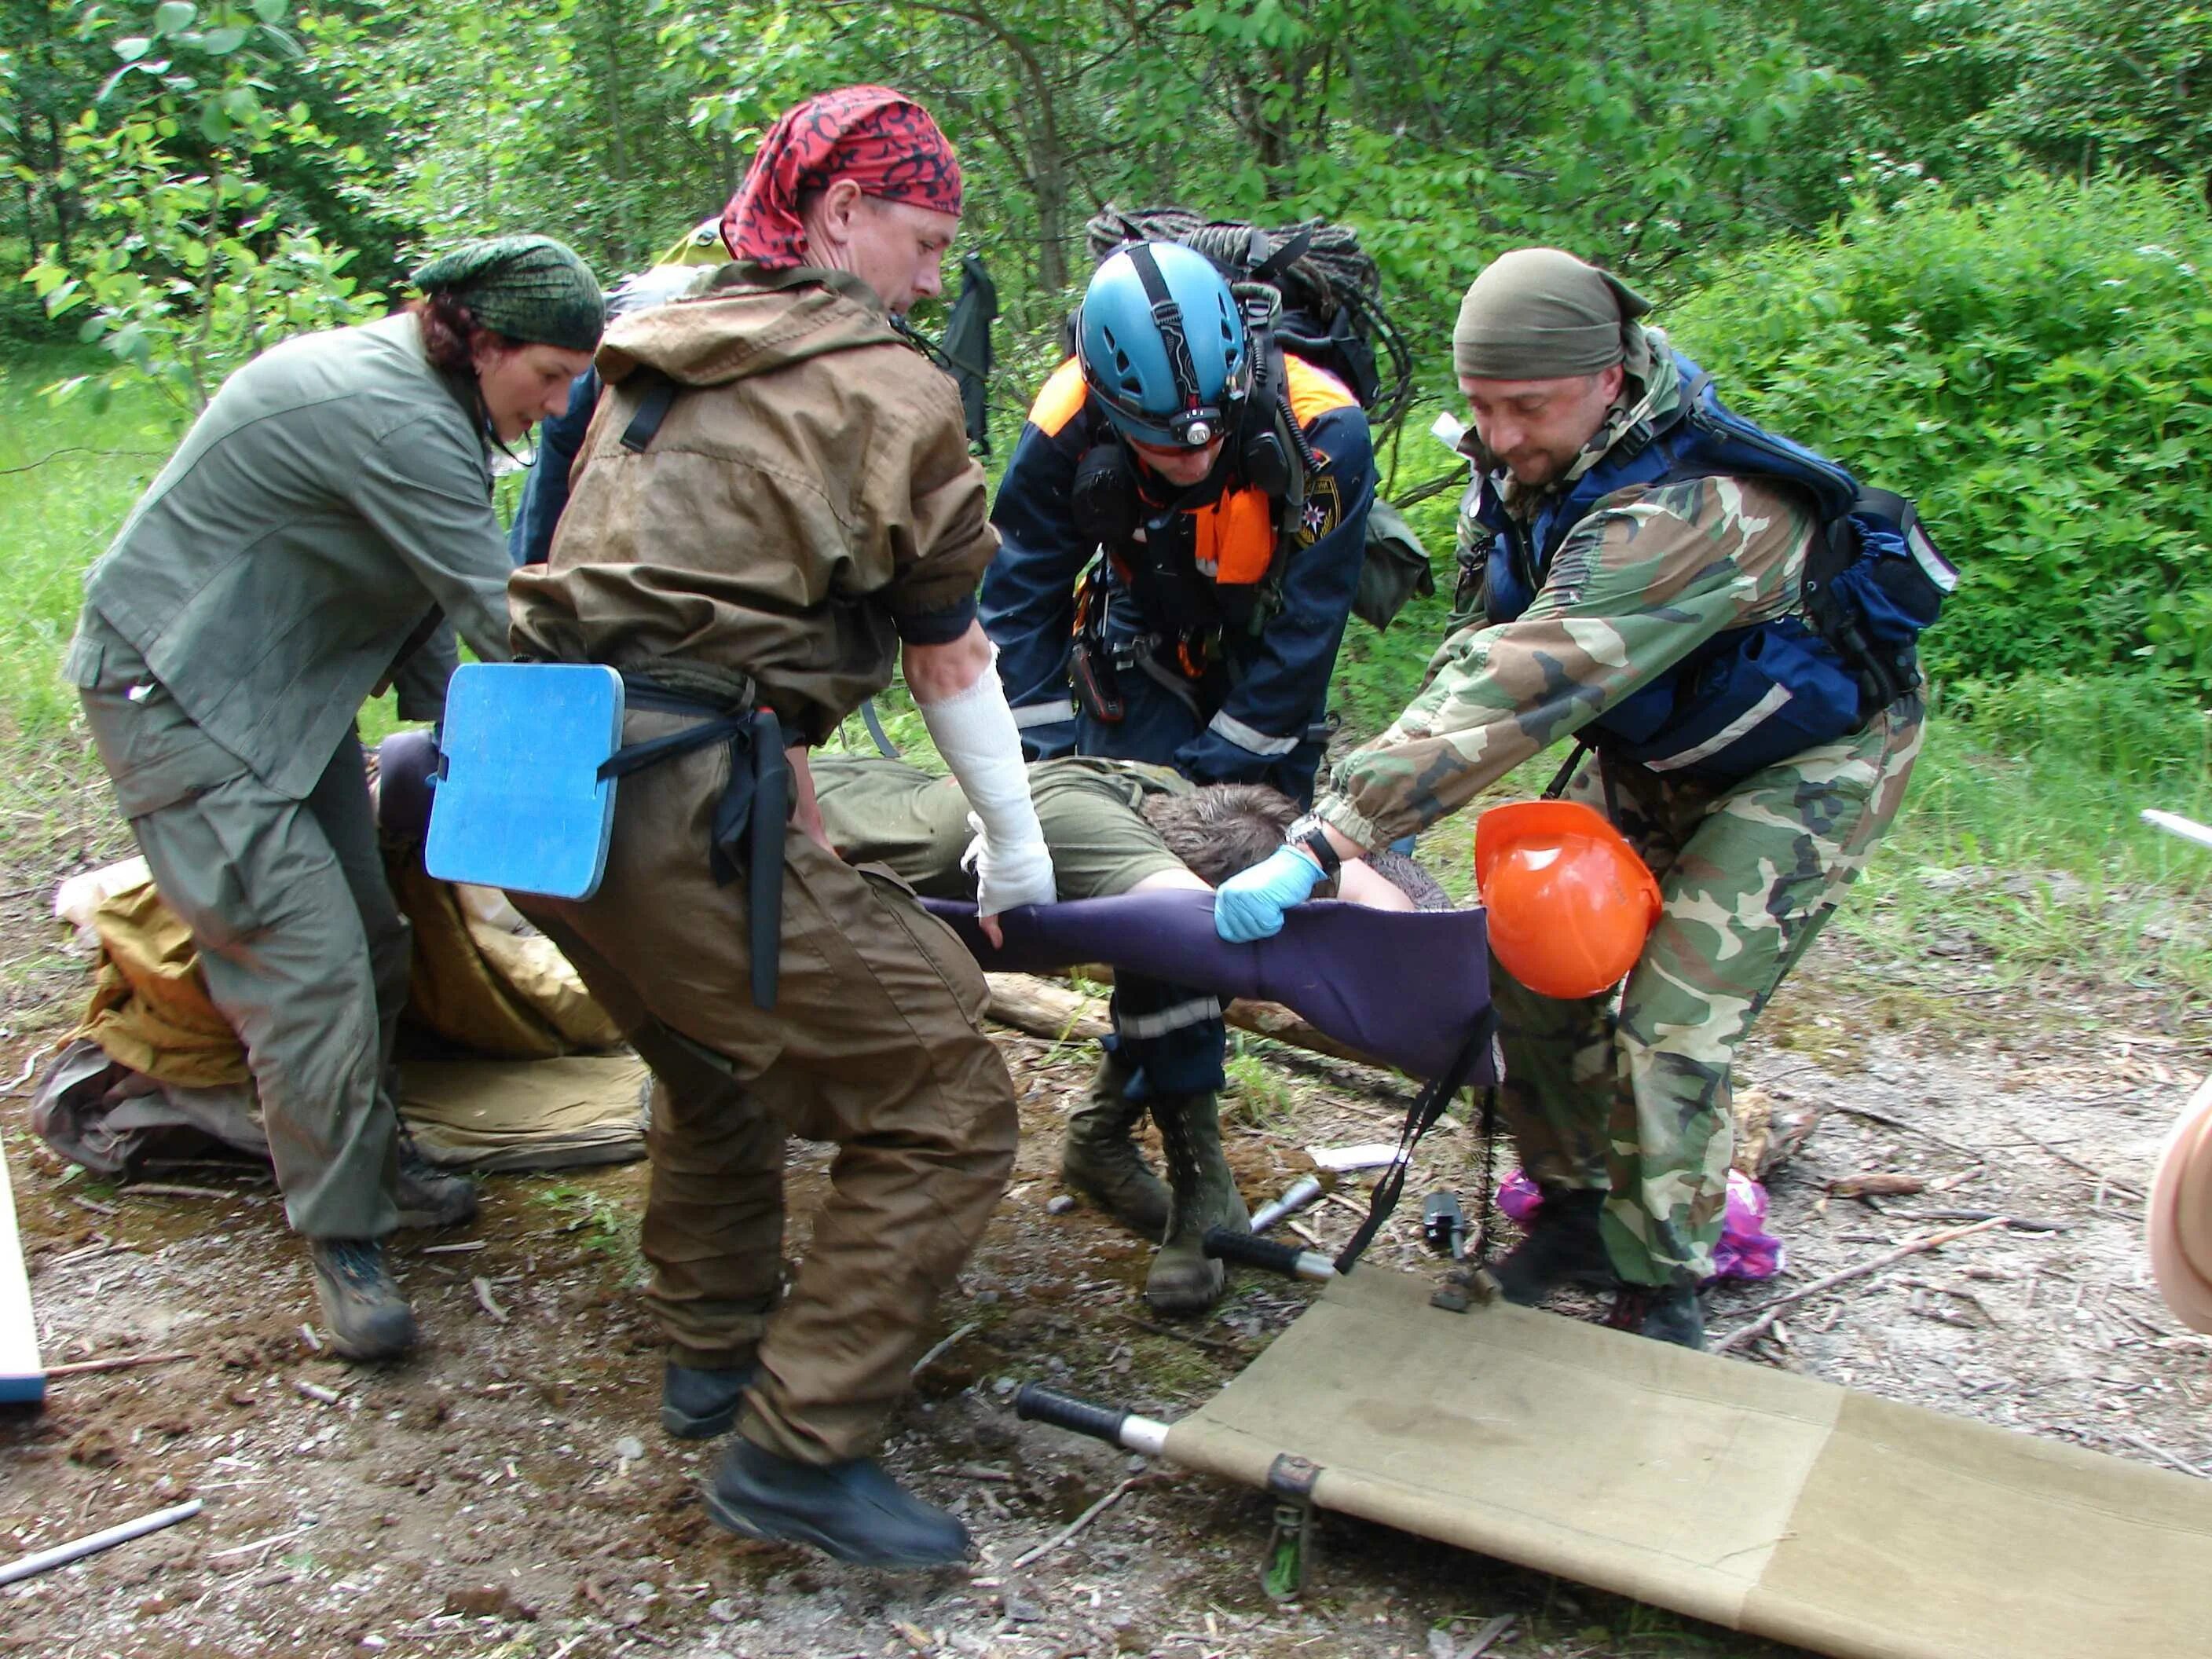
(1670, 1313)
(428, 1196)
(854, 1511)
(1204, 1192)
(1563, 1247)
(366, 1316)
(697, 1403)
(1099, 1159)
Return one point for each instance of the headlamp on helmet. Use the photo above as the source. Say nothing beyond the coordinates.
(1163, 346)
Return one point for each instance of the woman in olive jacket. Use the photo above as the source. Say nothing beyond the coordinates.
(324, 528)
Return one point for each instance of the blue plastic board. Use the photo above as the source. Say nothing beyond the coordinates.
(21, 1377)
(520, 802)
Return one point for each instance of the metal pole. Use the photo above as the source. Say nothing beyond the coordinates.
(38, 1561)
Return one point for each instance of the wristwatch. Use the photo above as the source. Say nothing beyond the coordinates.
(1312, 834)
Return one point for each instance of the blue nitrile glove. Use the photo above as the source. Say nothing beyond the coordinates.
(1250, 905)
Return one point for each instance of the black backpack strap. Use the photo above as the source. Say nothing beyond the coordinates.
(1834, 550)
(1270, 267)
(652, 411)
(1420, 1117)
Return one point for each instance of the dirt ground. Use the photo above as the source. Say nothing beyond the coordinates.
(508, 1490)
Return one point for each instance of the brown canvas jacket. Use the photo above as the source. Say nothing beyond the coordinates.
(808, 495)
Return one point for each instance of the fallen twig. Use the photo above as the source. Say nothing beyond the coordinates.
(2089, 1169)
(2165, 1456)
(462, 1249)
(315, 1391)
(79, 449)
(269, 1542)
(1173, 1335)
(485, 1300)
(171, 1189)
(938, 1349)
(2019, 1224)
(24, 1076)
(121, 1362)
(1911, 1247)
(1908, 1126)
(1036, 1551)
(38, 1561)
(977, 1471)
(1488, 1637)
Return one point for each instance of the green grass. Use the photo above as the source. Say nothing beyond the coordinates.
(68, 476)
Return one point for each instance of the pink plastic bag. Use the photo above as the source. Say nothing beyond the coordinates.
(1746, 1250)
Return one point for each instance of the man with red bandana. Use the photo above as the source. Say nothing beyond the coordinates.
(773, 500)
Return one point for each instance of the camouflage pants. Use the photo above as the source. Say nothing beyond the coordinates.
(1631, 1092)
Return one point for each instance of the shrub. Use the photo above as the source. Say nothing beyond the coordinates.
(2036, 370)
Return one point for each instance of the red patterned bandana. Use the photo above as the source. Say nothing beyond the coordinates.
(881, 140)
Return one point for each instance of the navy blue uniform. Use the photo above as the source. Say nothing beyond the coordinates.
(1203, 689)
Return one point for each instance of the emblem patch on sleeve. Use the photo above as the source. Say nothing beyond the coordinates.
(1322, 512)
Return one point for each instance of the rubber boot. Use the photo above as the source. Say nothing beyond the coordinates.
(366, 1316)
(697, 1403)
(1099, 1159)
(1183, 1279)
(1563, 1247)
(853, 1510)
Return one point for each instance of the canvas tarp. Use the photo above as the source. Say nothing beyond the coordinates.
(1759, 1499)
(152, 1054)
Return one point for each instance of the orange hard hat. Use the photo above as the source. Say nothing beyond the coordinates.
(1569, 902)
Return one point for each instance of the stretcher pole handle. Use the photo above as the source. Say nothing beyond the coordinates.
(1039, 1404)
(1230, 1244)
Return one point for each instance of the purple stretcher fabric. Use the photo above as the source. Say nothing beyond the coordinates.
(1405, 986)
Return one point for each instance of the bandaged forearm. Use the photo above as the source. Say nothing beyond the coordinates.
(974, 731)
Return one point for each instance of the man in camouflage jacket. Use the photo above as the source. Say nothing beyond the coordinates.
(1620, 1102)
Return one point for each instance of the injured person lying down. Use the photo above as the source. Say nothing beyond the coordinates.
(1113, 827)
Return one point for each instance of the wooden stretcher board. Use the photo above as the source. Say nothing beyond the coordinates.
(22, 1378)
(1765, 1501)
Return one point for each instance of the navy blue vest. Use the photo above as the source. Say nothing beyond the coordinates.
(1751, 696)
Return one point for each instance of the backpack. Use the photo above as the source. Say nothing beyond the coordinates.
(1326, 308)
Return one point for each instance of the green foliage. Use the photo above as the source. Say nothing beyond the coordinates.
(2083, 85)
(2036, 370)
(188, 268)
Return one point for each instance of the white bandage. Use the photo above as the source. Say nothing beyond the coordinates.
(974, 730)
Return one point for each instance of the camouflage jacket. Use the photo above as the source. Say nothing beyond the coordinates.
(1652, 573)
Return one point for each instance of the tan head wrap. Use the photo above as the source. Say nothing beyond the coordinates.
(1538, 314)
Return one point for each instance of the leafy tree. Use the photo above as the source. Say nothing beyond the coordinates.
(190, 267)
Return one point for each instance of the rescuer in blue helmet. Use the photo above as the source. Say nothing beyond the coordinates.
(1182, 530)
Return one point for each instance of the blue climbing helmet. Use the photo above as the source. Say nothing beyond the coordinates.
(1162, 345)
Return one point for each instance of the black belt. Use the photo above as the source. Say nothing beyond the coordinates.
(750, 816)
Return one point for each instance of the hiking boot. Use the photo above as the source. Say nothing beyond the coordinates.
(1099, 1159)
(699, 1404)
(428, 1196)
(366, 1316)
(854, 1511)
(1563, 1247)
(1669, 1313)
(1183, 1279)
